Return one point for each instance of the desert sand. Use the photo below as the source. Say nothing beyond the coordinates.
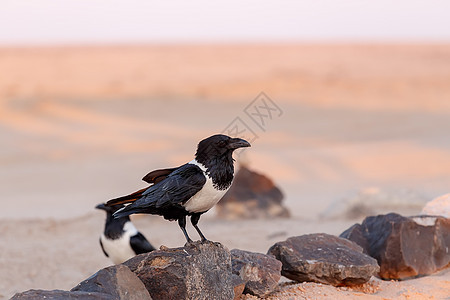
(82, 125)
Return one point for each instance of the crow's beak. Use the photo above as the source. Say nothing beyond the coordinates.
(102, 206)
(238, 143)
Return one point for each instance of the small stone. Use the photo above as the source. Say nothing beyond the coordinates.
(324, 258)
(261, 272)
(117, 281)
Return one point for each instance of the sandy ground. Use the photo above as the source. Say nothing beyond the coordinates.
(82, 125)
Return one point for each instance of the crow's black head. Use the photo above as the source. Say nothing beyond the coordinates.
(217, 146)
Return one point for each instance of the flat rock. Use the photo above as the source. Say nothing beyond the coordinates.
(59, 295)
(117, 281)
(325, 259)
(196, 271)
(404, 247)
(252, 196)
(261, 272)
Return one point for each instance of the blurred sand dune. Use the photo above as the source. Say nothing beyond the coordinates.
(411, 77)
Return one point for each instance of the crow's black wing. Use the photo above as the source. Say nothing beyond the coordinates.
(139, 244)
(153, 177)
(177, 188)
(158, 175)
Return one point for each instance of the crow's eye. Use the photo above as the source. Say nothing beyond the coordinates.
(222, 143)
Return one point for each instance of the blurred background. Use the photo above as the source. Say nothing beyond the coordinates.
(94, 94)
(346, 103)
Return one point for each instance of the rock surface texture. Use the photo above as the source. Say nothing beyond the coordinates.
(196, 271)
(238, 286)
(60, 295)
(260, 272)
(252, 196)
(117, 281)
(325, 259)
(404, 247)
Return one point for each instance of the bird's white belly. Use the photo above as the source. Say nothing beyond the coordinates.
(205, 199)
(119, 250)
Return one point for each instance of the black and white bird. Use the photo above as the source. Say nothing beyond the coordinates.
(189, 190)
(120, 240)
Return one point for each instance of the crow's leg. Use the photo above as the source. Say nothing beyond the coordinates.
(194, 221)
(182, 224)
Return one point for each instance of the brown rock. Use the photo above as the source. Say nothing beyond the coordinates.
(251, 196)
(261, 272)
(325, 259)
(117, 281)
(404, 247)
(196, 271)
(60, 295)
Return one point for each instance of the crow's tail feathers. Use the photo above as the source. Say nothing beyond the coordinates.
(126, 199)
(123, 212)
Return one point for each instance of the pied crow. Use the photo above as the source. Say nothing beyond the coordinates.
(189, 190)
(120, 240)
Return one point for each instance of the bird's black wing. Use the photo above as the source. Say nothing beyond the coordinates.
(139, 244)
(103, 249)
(172, 192)
(153, 177)
(158, 175)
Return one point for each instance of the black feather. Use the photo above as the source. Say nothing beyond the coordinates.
(139, 244)
(165, 198)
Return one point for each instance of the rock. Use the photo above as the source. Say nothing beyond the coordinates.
(117, 281)
(261, 272)
(238, 286)
(404, 247)
(439, 206)
(325, 259)
(196, 271)
(251, 196)
(373, 201)
(60, 295)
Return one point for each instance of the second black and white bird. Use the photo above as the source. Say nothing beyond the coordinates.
(189, 190)
(120, 240)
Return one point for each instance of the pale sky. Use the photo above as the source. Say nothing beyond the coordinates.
(121, 21)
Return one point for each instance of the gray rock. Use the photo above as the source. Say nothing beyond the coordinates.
(252, 196)
(60, 295)
(325, 259)
(196, 271)
(117, 281)
(404, 247)
(261, 272)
